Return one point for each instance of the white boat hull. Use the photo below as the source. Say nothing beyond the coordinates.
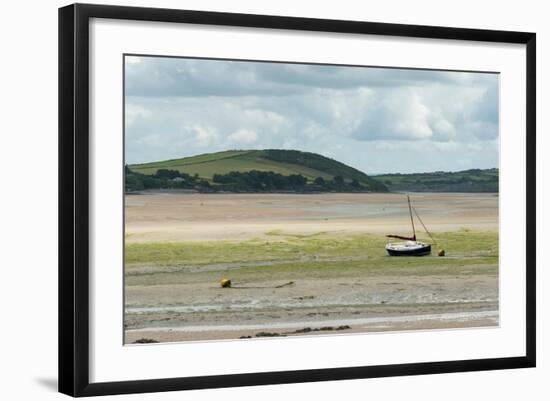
(409, 248)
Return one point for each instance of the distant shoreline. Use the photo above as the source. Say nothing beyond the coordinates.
(176, 217)
(194, 191)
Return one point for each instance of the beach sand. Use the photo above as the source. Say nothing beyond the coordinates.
(270, 298)
(198, 217)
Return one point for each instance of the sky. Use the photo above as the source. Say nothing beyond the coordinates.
(379, 120)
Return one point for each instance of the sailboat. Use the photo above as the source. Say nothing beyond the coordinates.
(411, 247)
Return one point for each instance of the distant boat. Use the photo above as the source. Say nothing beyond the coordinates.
(411, 247)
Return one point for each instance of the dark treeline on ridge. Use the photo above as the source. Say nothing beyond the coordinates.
(279, 170)
(235, 181)
(473, 180)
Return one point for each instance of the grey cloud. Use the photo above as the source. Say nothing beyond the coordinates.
(486, 113)
(198, 77)
(160, 77)
(374, 119)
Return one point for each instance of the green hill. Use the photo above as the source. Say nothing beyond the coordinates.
(474, 180)
(218, 168)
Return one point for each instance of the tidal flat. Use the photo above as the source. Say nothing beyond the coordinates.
(304, 265)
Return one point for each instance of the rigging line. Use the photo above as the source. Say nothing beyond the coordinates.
(421, 222)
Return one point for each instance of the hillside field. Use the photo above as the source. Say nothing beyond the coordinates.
(277, 170)
(284, 162)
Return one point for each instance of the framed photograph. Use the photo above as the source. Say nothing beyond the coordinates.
(251, 199)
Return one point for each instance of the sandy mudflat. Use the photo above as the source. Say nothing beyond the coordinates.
(364, 302)
(331, 327)
(316, 290)
(188, 217)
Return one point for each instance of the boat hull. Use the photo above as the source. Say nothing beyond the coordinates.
(423, 250)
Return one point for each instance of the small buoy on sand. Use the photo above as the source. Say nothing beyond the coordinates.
(441, 252)
(225, 283)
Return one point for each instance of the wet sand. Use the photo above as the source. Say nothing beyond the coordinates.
(198, 217)
(441, 321)
(186, 303)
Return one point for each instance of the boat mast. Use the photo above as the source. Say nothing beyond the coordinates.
(411, 214)
(413, 238)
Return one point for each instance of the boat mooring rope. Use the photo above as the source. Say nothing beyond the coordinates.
(421, 222)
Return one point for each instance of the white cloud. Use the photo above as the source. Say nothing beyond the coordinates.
(370, 118)
(134, 112)
(243, 136)
(414, 118)
(204, 136)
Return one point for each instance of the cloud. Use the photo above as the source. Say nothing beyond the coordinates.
(203, 135)
(396, 114)
(162, 77)
(485, 115)
(159, 76)
(243, 136)
(134, 113)
(181, 107)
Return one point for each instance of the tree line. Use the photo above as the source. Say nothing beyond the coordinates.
(163, 179)
(236, 181)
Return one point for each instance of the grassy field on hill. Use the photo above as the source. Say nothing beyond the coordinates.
(272, 170)
(311, 166)
(284, 162)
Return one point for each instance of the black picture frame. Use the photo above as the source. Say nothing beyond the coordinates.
(74, 198)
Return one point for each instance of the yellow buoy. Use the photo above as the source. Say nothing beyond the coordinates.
(441, 252)
(225, 283)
